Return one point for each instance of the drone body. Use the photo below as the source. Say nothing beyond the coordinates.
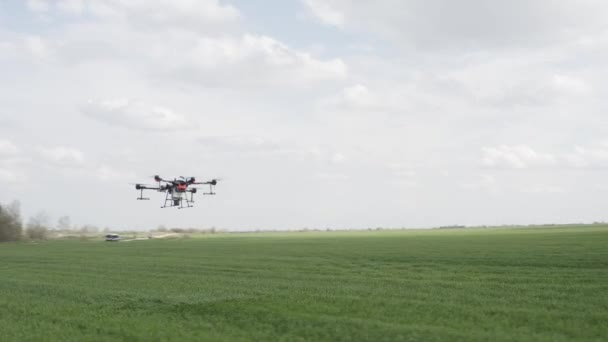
(176, 190)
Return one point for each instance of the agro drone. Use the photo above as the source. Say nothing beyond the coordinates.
(176, 190)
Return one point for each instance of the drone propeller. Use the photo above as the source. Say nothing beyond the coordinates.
(212, 182)
(157, 178)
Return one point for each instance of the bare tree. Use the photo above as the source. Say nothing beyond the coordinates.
(10, 222)
(64, 223)
(38, 226)
(89, 229)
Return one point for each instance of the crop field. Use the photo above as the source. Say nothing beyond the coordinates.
(542, 284)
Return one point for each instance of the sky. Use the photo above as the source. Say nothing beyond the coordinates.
(314, 113)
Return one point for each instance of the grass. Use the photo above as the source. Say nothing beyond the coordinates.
(500, 285)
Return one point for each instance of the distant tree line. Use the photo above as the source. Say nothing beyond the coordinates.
(11, 225)
(38, 227)
(11, 228)
(163, 229)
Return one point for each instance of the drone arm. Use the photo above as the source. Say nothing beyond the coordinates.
(211, 182)
(145, 187)
(211, 192)
(141, 195)
(141, 189)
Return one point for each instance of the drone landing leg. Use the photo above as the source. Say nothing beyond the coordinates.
(166, 199)
(210, 190)
(181, 202)
(141, 195)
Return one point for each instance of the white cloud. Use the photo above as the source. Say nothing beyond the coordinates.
(306, 153)
(404, 175)
(12, 157)
(321, 155)
(571, 85)
(484, 182)
(517, 80)
(332, 176)
(136, 115)
(8, 176)
(436, 81)
(244, 145)
(464, 25)
(595, 156)
(515, 157)
(11, 163)
(359, 98)
(62, 156)
(249, 60)
(7, 49)
(326, 13)
(7, 148)
(108, 173)
(338, 158)
(544, 189)
(36, 46)
(71, 6)
(227, 60)
(38, 5)
(402, 170)
(196, 15)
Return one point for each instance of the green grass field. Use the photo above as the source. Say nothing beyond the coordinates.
(498, 285)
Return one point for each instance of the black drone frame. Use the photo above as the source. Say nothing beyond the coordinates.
(174, 197)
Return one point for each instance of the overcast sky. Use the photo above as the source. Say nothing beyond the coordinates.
(315, 113)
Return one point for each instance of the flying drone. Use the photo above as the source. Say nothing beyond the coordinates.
(179, 192)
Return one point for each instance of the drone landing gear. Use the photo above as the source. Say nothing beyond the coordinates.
(188, 202)
(168, 198)
(141, 196)
(177, 201)
(181, 204)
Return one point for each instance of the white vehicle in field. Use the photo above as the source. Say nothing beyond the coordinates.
(112, 237)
